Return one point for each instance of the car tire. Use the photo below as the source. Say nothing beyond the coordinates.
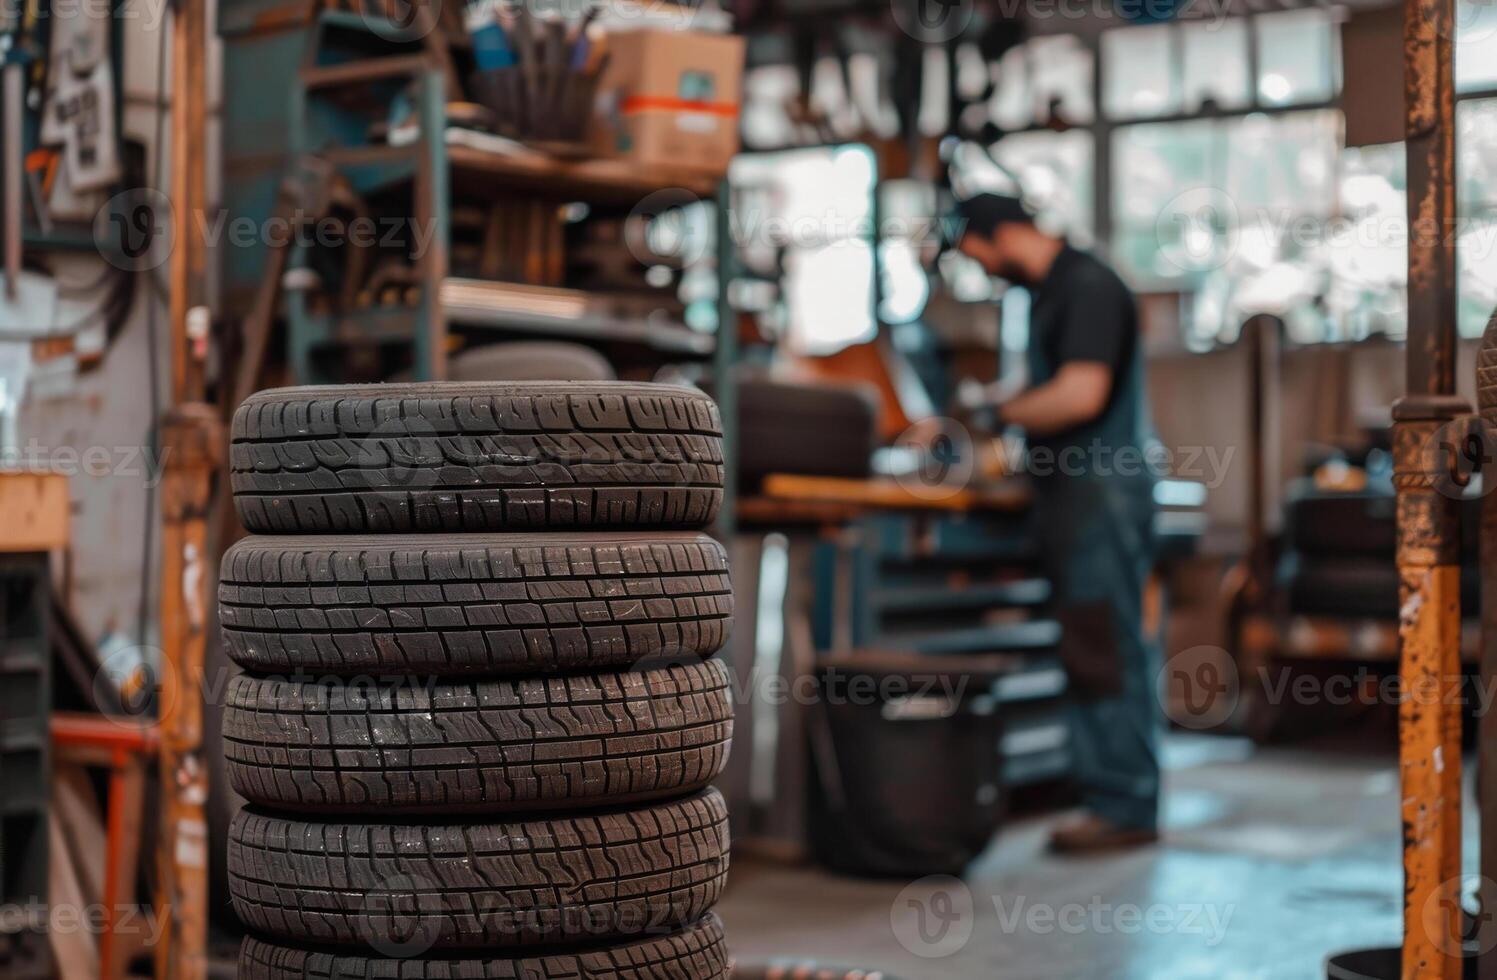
(534, 603)
(695, 953)
(475, 456)
(482, 746)
(404, 888)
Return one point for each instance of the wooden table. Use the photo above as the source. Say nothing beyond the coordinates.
(793, 499)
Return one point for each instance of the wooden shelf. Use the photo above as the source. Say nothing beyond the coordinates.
(601, 180)
(464, 303)
(484, 174)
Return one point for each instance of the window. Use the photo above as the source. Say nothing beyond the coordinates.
(1298, 57)
(1139, 78)
(1215, 65)
(1475, 45)
(1369, 257)
(1476, 207)
(1170, 216)
(1046, 78)
(1230, 208)
(809, 211)
(1055, 170)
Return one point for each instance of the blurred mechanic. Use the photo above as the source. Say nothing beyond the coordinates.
(1085, 413)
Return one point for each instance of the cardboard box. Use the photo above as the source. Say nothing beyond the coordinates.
(671, 98)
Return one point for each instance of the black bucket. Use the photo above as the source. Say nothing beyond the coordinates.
(1379, 964)
(907, 775)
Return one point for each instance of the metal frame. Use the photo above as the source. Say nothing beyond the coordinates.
(1428, 515)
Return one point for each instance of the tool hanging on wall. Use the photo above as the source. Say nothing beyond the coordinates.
(13, 56)
(78, 114)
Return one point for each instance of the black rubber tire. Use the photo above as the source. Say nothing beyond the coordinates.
(476, 456)
(695, 953)
(408, 888)
(472, 604)
(485, 746)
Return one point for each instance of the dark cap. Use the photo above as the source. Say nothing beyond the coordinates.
(982, 213)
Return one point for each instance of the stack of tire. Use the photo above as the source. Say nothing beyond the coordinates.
(478, 721)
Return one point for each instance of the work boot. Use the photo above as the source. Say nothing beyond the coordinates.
(1089, 834)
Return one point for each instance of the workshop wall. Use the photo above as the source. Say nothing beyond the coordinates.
(106, 413)
(1328, 393)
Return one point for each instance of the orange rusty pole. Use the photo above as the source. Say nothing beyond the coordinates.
(1428, 535)
(192, 446)
(192, 439)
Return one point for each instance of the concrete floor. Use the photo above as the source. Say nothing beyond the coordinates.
(1271, 860)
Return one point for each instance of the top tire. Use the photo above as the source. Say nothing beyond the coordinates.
(476, 456)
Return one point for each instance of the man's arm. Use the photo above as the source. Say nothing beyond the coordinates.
(1075, 396)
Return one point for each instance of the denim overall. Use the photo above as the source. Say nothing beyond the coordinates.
(1094, 515)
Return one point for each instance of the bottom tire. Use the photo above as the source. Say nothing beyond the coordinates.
(696, 953)
(404, 888)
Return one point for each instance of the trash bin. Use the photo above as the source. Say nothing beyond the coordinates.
(906, 772)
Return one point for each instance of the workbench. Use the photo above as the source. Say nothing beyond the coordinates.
(829, 566)
(35, 505)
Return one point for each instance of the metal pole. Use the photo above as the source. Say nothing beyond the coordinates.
(1486, 752)
(192, 440)
(1428, 538)
(725, 361)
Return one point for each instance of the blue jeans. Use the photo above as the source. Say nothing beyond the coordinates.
(1097, 541)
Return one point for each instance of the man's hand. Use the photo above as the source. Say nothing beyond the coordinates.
(1075, 396)
(972, 395)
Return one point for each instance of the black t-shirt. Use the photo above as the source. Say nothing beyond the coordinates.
(1083, 311)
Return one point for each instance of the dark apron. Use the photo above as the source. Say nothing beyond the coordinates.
(1094, 517)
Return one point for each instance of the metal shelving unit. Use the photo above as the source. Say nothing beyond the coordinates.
(439, 169)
